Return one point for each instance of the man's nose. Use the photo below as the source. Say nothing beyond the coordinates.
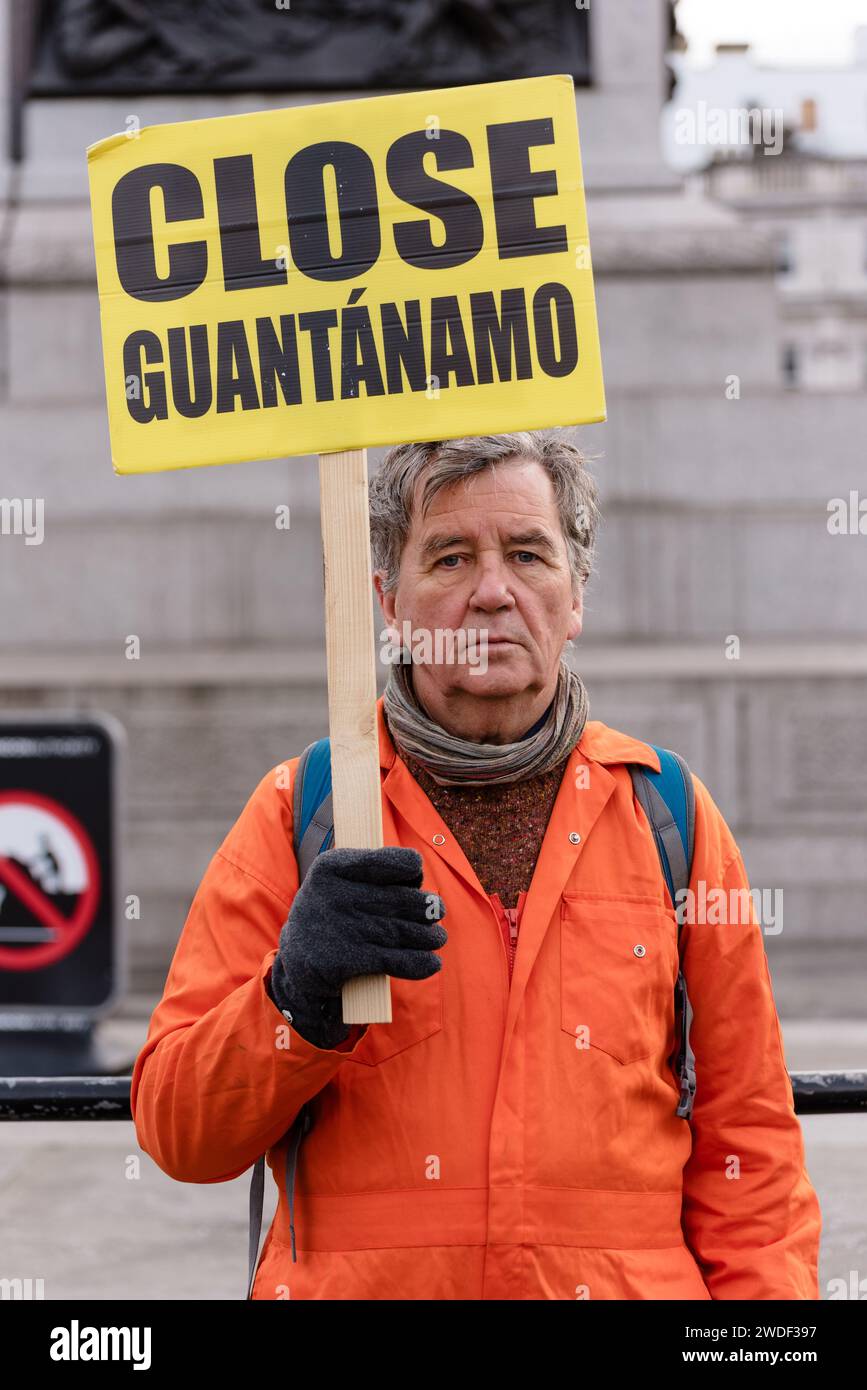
(492, 588)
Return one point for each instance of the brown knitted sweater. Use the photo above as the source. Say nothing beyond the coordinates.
(499, 828)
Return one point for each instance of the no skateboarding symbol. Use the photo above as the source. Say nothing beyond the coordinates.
(49, 881)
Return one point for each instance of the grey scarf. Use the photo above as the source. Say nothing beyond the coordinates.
(455, 761)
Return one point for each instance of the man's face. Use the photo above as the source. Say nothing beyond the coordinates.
(489, 555)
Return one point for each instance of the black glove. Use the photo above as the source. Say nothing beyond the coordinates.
(357, 912)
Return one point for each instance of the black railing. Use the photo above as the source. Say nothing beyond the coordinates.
(65, 1098)
(107, 1097)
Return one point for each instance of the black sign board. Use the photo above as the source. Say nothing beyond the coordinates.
(59, 928)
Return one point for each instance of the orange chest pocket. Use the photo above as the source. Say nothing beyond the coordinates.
(618, 969)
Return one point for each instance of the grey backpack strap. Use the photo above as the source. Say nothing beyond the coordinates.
(301, 1126)
(257, 1202)
(685, 1054)
(315, 835)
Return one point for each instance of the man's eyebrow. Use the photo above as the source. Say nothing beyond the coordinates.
(535, 537)
(434, 545)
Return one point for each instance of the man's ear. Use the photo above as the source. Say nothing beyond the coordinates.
(386, 598)
(576, 617)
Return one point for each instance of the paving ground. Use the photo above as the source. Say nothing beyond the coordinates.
(71, 1215)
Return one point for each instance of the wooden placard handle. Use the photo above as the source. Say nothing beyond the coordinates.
(351, 654)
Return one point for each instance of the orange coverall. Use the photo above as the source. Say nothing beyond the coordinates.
(474, 1148)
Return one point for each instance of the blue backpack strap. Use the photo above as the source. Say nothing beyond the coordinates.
(313, 819)
(313, 808)
(668, 800)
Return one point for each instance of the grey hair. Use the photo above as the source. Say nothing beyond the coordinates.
(445, 461)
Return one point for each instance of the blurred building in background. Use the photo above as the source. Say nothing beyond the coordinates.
(808, 194)
(724, 621)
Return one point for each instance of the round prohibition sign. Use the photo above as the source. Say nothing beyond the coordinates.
(23, 817)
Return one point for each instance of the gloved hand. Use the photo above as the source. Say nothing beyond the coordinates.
(357, 912)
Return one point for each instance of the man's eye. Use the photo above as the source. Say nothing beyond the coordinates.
(443, 559)
(531, 554)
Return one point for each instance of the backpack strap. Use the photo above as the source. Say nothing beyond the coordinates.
(313, 822)
(667, 798)
(257, 1203)
(302, 1124)
(313, 808)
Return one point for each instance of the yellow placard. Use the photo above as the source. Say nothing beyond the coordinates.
(354, 273)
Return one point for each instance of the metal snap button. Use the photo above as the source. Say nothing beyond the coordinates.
(439, 839)
(639, 950)
(575, 838)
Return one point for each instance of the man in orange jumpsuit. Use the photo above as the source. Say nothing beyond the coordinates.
(512, 1134)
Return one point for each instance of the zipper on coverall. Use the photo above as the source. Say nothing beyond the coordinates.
(508, 918)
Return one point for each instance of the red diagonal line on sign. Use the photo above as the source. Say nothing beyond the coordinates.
(31, 896)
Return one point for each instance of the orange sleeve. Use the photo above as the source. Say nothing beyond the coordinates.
(750, 1214)
(222, 1073)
